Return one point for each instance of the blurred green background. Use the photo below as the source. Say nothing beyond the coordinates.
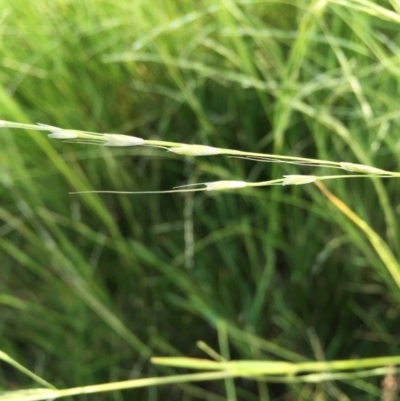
(93, 285)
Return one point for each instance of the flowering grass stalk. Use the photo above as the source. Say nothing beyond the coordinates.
(269, 371)
(118, 140)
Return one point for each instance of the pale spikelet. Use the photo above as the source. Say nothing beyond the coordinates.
(298, 179)
(62, 135)
(122, 140)
(50, 127)
(361, 168)
(220, 185)
(195, 150)
(2, 123)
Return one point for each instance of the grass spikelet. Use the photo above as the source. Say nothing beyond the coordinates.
(298, 179)
(62, 135)
(361, 168)
(221, 185)
(195, 150)
(122, 140)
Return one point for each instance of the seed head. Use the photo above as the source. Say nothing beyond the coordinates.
(195, 150)
(361, 168)
(62, 135)
(220, 185)
(298, 179)
(122, 140)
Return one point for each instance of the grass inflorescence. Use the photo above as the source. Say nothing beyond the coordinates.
(117, 140)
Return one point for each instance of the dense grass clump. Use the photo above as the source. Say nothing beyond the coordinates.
(279, 279)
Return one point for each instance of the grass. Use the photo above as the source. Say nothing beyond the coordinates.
(95, 285)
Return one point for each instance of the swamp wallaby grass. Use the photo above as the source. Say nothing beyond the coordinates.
(152, 230)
